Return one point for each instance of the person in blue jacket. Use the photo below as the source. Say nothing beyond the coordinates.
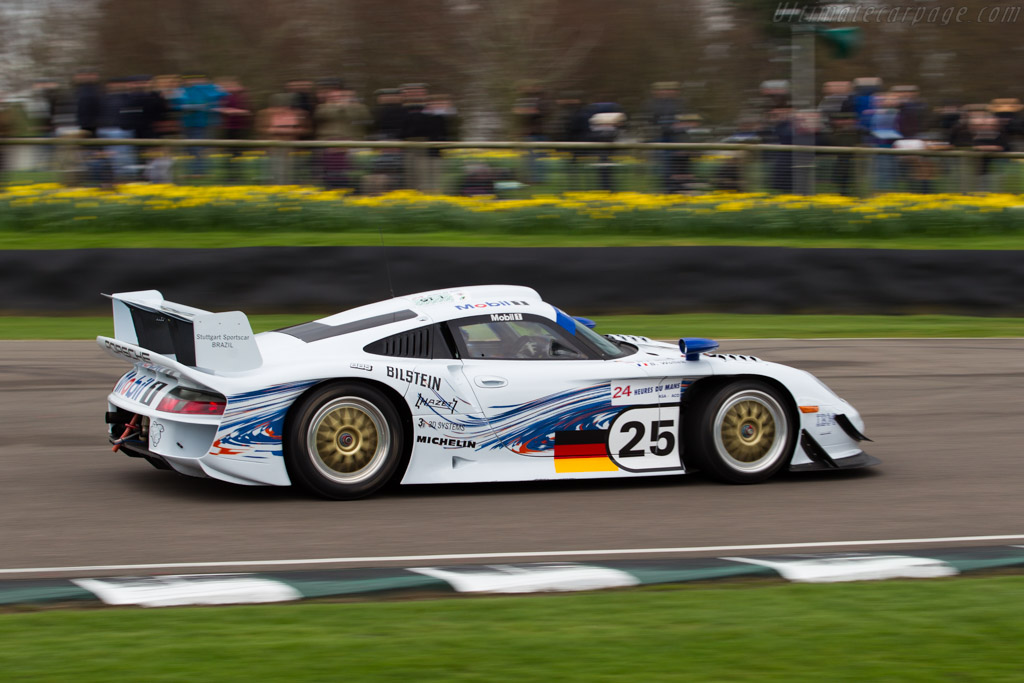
(199, 102)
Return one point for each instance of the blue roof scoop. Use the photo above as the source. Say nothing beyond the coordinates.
(692, 347)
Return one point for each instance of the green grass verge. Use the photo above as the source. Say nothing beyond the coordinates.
(720, 326)
(940, 630)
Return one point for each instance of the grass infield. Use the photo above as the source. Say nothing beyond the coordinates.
(716, 326)
(966, 629)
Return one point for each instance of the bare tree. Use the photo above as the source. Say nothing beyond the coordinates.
(481, 50)
(43, 39)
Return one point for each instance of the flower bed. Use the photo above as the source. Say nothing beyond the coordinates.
(51, 208)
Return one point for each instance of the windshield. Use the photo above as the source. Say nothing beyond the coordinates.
(604, 345)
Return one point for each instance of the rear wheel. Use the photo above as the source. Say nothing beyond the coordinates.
(743, 432)
(345, 441)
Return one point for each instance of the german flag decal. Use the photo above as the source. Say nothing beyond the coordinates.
(582, 451)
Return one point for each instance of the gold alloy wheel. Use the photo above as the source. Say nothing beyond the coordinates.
(750, 431)
(348, 439)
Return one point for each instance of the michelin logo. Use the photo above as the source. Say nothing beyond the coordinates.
(447, 443)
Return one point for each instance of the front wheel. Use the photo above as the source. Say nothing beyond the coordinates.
(743, 432)
(345, 441)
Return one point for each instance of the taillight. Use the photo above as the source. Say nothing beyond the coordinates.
(192, 402)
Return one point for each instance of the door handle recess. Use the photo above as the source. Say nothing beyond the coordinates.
(490, 382)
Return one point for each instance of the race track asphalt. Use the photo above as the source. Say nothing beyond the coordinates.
(945, 416)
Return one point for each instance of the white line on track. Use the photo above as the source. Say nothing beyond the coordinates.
(433, 559)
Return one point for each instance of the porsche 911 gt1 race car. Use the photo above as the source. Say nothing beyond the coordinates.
(479, 384)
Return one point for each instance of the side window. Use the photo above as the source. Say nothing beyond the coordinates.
(524, 339)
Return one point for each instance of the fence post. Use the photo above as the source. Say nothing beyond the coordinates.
(750, 167)
(964, 172)
(867, 178)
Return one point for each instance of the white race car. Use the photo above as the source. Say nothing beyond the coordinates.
(479, 384)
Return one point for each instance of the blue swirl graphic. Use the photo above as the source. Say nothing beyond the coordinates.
(253, 422)
(529, 427)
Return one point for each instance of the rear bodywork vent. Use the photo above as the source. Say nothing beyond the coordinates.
(411, 344)
(432, 341)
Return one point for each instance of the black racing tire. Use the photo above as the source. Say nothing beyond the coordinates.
(344, 441)
(742, 432)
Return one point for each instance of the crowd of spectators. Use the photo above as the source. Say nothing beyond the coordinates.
(195, 107)
(862, 113)
(859, 113)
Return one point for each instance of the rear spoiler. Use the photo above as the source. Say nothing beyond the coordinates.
(210, 342)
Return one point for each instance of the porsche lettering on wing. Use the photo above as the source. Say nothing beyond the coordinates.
(125, 351)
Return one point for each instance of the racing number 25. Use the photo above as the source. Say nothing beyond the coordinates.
(642, 440)
(660, 435)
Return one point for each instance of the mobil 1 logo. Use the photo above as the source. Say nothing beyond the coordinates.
(645, 439)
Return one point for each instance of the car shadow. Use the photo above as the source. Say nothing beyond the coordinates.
(174, 485)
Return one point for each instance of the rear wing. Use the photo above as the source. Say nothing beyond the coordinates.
(210, 342)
